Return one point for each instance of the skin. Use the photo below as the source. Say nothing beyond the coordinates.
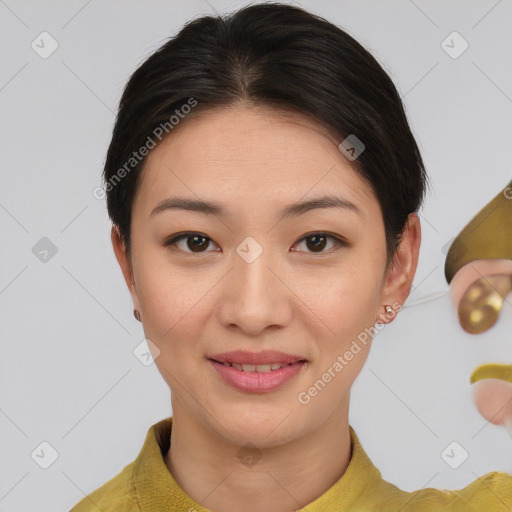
(255, 161)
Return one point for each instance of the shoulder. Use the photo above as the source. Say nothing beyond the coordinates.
(116, 495)
(488, 493)
(491, 491)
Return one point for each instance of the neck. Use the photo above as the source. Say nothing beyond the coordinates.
(216, 475)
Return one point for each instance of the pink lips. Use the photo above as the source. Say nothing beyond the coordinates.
(263, 357)
(256, 382)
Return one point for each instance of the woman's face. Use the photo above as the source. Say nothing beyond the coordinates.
(256, 279)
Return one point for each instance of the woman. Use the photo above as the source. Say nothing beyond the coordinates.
(263, 185)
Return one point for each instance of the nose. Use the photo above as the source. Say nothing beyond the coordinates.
(255, 296)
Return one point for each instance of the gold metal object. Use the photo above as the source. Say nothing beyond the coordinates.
(481, 303)
(492, 371)
(487, 235)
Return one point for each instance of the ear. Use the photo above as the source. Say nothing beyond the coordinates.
(125, 264)
(399, 277)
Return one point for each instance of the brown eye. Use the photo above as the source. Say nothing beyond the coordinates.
(316, 242)
(195, 242)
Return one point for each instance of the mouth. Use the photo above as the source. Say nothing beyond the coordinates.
(492, 371)
(256, 372)
(259, 368)
(262, 358)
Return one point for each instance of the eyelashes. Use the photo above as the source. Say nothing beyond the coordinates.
(199, 241)
(173, 241)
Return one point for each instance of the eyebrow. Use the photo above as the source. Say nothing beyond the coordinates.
(293, 210)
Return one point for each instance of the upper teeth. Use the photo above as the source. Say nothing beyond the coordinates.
(263, 368)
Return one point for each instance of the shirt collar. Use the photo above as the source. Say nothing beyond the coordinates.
(156, 488)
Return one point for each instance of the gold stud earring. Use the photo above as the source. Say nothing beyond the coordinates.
(136, 314)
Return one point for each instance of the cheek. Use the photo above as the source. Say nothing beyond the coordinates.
(169, 294)
(348, 306)
(351, 298)
(174, 322)
(173, 304)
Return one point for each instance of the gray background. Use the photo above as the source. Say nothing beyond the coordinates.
(68, 373)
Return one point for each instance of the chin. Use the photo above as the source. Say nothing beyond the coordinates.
(263, 426)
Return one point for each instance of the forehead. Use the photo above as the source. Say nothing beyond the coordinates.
(250, 154)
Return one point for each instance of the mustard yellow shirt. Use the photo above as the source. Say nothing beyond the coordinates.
(146, 485)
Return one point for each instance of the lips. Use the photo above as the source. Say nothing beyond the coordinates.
(258, 381)
(266, 357)
(257, 372)
(260, 368)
